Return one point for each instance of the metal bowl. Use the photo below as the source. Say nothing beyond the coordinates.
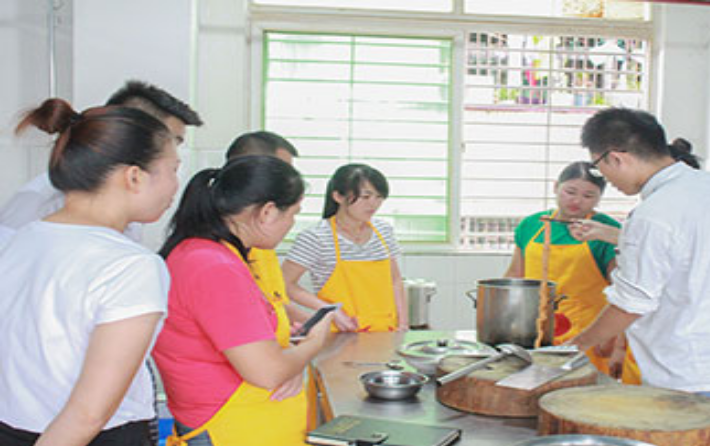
(580, 440)
(425, 355)
(393, 385)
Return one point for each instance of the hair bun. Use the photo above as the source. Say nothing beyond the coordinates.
(681, 145)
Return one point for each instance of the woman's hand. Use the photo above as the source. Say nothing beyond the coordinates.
(585, 230)
(345, 322)
(319, 333)
(288, 389)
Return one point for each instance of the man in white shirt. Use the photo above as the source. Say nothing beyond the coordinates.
(38, 198)
(660, 292)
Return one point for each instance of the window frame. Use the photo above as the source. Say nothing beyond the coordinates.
(455, 26)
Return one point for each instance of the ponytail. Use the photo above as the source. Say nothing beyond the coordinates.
(681, 150)
(212, 195)
(198, 216)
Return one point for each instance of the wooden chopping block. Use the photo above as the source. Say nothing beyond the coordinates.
(478, 393)
(658, 416)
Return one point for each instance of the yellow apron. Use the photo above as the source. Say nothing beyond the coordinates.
(365, 288)
(577, 275)
(250, 417)
(264, 266)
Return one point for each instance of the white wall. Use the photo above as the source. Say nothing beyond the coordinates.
(133, 39)
(24, 83)
(111, 41)
(683, 72)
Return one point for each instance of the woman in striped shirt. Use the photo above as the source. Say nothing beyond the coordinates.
(352, 258)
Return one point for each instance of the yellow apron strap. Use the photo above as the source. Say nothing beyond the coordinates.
(336, 243)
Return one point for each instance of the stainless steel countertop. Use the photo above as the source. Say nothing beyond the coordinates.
(347, 396)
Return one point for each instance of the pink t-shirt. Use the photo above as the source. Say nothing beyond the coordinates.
(214, 304)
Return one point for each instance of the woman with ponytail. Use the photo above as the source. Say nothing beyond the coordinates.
(80, 301)
(230, 375)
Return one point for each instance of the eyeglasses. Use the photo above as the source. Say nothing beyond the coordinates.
(594, 169)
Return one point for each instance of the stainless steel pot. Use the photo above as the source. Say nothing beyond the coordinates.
(507, 311)
(419, 293)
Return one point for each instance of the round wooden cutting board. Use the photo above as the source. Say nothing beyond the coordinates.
(478, 393)
(657, 416)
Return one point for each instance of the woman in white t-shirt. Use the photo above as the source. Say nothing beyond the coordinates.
(80, 301)
(351, 257)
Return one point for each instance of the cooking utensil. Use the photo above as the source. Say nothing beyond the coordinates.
(535, 375)
(395, 364)
(564, 221)
(580, 440)
(505, 350)
(393, 384)
(507, 310)
(425, 355)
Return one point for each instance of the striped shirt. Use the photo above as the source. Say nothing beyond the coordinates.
(314, 249)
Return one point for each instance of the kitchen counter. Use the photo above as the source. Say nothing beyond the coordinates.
(343, 393)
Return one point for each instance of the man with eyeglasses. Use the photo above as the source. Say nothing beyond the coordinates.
(660, 292)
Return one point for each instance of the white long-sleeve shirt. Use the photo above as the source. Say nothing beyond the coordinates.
(663, 274)
(36, 200)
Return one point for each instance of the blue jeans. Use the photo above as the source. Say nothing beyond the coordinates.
(201, 440)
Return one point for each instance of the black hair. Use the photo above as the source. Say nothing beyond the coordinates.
(154, 101)
(259, 143)
(580, 170)
(92, 144)
(214, 194)
(681, 150)
(348, 180)
(625, 130)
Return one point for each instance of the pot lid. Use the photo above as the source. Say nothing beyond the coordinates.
(435, 348)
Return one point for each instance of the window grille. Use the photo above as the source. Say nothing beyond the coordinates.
(383, 101)
(526, 99)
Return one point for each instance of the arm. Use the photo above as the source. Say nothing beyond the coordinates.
(265, 364)
(293, 272)
(115, 353)
(400, 299)
(517, 265)
(611, 322)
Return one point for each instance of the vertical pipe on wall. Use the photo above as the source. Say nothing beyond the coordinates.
(52, 46)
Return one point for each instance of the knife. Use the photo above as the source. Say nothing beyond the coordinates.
(536, 375)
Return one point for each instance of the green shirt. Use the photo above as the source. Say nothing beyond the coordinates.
(603, 252)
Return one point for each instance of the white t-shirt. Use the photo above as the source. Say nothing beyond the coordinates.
(314, 249)
(663, 274)
(59, 282)
(5, 234)
(37, 199)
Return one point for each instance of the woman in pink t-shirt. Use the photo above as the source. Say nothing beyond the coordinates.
(230, 375)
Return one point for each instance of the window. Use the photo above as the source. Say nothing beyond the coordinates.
(515, 97)
(382, 101)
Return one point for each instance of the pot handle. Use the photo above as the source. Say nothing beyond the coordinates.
(558, 299)
(471, 294)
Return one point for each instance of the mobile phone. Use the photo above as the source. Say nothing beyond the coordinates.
(317, 316)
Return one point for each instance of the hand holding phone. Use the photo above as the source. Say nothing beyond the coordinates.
(317, 316)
